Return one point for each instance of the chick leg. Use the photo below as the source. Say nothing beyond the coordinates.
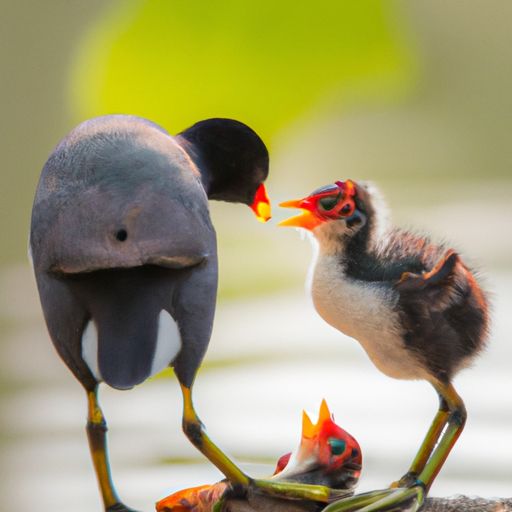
(455, 425)
(405, 499)
(356, 502)
(441, 437)
(433, 435)
(196, 433)
(97, 435)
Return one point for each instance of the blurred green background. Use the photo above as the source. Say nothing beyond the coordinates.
(415, 96)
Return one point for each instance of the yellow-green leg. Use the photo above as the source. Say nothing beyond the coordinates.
(428, 445)
(357, 502)
(455, 425)
(97, 435)
(195, 431)
(440, 439)
(410, 499)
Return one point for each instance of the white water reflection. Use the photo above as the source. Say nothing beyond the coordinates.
(287, 360)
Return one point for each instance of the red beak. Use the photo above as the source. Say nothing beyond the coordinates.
(261, 204)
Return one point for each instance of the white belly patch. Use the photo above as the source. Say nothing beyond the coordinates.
(168, 345)
(90, 349)
(364, 311)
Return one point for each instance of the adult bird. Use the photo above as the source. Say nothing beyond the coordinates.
(125, 257)
(414, 306)
(327, 455)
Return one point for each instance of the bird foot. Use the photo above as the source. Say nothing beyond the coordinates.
(404, 499)
(410, 479)
(119, 507)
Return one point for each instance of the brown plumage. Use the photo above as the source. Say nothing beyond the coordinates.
(414, 306)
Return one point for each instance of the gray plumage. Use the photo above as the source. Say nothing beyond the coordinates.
(120, 231)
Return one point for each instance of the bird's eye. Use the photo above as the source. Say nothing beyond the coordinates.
(337, 445)
(328, 203)
(346, 209)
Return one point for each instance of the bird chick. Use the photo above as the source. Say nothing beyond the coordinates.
(414, 306)
(326, 455)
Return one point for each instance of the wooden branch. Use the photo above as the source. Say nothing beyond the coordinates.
(468, 504)
(262, 503)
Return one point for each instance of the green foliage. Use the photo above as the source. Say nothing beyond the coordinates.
(263, 62)
(267, 63)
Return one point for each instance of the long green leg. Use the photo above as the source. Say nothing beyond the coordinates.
(401, 500)
(97, 435)
(427, 446)
(456, 422)
(387, 499)
(195, 431)
(444, 432)
(282, 489)
(356, 502)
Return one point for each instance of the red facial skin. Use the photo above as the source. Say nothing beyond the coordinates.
(329, 461)
(329, 433)
(314, 214)
(261, 204)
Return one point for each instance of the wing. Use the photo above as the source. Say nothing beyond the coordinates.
(433, 282)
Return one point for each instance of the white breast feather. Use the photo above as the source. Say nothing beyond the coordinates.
(365, 312)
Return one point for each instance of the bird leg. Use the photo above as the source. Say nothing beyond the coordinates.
(196, 433)
(404, 499)
(427, 446)
(97, 435)
(409, 493)
(455, 425)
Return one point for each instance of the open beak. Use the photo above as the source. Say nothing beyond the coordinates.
(307, 219)
(261, 204)
(306, 454)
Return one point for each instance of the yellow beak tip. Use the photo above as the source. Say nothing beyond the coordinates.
(264, 212)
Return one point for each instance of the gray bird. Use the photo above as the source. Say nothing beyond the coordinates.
(125, 258)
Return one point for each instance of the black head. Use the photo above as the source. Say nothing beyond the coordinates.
(232, 159)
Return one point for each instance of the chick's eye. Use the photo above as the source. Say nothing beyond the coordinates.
(337, 445)
(328, 203)
(346, 209)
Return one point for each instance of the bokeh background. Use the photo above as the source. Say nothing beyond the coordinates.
(415, 96)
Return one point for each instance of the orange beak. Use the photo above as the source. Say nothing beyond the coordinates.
(310, 438)
(307, 219)
(261, 204)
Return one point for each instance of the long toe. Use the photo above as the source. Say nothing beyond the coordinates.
(401, 500)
